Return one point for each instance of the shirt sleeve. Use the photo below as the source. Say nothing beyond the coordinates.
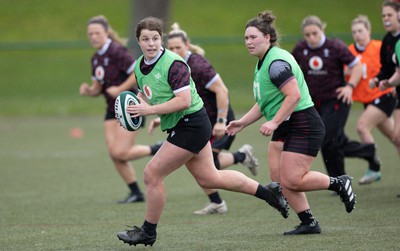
(125, 60)
(280, 72)
(179, 76)
(345, 54)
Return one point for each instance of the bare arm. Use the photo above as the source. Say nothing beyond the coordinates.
(249, 118)
(292, 97)
(292, 93)
(393, 81)
(90, 90)
(221, 93)
(345, 93)
(128, 84)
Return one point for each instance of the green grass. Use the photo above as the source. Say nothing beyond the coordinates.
(58, 193)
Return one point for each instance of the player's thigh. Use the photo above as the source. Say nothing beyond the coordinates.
(201, 166)
(295, 165)
(371, 117)
(167, 159)
(396, 116)
(117, 136)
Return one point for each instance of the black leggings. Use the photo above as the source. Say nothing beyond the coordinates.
(336, 145)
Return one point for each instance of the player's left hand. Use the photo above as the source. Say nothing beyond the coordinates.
(219, 130)
(383, 84)
(141, 109)
(268, 128)
(234, 127)
(154, 123)
(345, 94)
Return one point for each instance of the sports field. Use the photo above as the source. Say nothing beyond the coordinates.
(59, 193)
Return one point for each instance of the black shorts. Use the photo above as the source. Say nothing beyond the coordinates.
(386, 103)
(223, 143)
(226, 141)
(110, 115)
(192, 132)
(303, 133)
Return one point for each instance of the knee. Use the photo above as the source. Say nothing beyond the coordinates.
(361, 128)
(209, 182)
(118, 154)
(290, 183)
(150, 176)
(205, 183)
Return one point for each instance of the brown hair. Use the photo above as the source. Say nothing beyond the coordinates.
(264, 22)
(391, 3)
(177, 32)
(149, 23)
(102, 20)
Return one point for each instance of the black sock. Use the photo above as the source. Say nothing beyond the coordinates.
(154, 148)
(306, 217)
(149, 228)
(214, 197)
(335, 184)
(134, 188)
(262, 193)
(238, 157)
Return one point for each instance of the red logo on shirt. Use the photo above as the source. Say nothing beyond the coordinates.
(315, 63)
(147, 91)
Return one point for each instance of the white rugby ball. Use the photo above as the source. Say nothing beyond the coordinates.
(123, 100)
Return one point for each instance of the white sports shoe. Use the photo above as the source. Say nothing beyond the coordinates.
(213, 208)
(250, 160)
(369, 177)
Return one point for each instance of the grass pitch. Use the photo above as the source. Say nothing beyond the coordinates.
(59, 193)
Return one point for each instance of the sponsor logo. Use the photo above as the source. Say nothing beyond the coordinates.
(147, 91)
(99, 72)
(315, 63)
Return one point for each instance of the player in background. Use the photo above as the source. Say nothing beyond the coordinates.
(322, 61)
(112, 73)
(214, 93)
(390, 19)
(283, 99)
(379, 105)
(394, 81)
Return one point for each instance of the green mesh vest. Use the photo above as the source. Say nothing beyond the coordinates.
(156, 88)
(267, 95)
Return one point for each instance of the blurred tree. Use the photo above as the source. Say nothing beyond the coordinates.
(141, 9)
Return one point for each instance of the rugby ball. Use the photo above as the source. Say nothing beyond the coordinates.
(124, 118)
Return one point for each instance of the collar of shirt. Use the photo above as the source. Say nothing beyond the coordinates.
(105, 47)
(323, 39)
(155, 58)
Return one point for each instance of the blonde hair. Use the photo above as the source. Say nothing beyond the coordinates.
(113, 35)
(178, 32)
(362, 19)
(313, 20)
